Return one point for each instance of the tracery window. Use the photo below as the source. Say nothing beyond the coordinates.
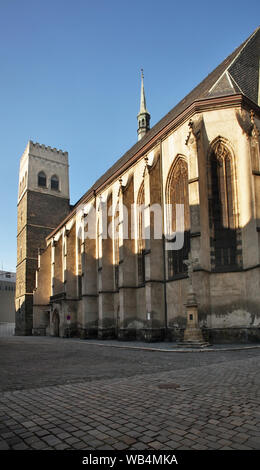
(177, 193)
(42, 179)
(99, 245)
(116, 266)
(223, 215)
(141, 240)
(55, 182)
(79, 258)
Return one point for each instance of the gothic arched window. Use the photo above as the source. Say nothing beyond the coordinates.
(177, 193)
(99, 244)
(141, 240)
(55, 182)
(116, 245)
(42, 179)
(79, 258)
(116, 260)
(223, 216)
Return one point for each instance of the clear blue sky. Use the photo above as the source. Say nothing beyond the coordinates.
(70, 78)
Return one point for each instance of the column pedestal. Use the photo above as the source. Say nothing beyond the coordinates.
(193, 337)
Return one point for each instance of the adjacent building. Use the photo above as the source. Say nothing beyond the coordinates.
(7, 297)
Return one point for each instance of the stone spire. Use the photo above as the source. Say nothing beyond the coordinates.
(143, 117)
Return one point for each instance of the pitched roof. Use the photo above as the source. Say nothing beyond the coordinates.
(238, 73)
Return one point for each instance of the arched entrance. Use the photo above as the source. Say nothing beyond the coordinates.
(56, 323)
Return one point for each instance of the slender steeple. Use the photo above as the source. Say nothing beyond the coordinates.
(143, 116)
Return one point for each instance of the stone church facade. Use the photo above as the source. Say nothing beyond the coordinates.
(204, 156)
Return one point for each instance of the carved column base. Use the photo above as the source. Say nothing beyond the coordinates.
(193, 337)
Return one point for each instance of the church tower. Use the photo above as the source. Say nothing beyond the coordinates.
(43, 202)
(143, 117)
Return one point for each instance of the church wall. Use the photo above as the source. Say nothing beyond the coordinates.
(41, 308)
(141, 307)
(224, 123)
(141, 310)
(58, 285)
(257, 198)
(172, 147)
(176, 316)
(235, 310)
(126, 297)
(226, 300)
(106, 314)
(88, 323)
(71, 279)
(235, 317)
(20, 279)
(43, 291)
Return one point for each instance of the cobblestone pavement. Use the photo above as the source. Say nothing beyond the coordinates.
(71, 394)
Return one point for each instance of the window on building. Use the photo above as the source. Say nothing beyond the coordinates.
(116, 260)
(177, 193)
(141, 240)
(42, 179)
(222, 208)
(55, 182)
(99, 245)
(79, 257)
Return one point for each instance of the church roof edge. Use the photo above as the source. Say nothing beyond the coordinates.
(200, 92)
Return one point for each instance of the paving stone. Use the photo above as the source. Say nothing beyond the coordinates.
(138, 446)
(128, 440)
(72, 440)
(156, 445)
(116, 402)
(120, 446)
(4, 445)
(79, 445)
(40, 445)
(21, 446)
(79, 433)
(51, 440)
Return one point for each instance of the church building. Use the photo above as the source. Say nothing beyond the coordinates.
(102, 269)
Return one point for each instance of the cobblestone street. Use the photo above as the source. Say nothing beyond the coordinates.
(73, 394)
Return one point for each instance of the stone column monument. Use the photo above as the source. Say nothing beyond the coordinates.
(192, 335)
